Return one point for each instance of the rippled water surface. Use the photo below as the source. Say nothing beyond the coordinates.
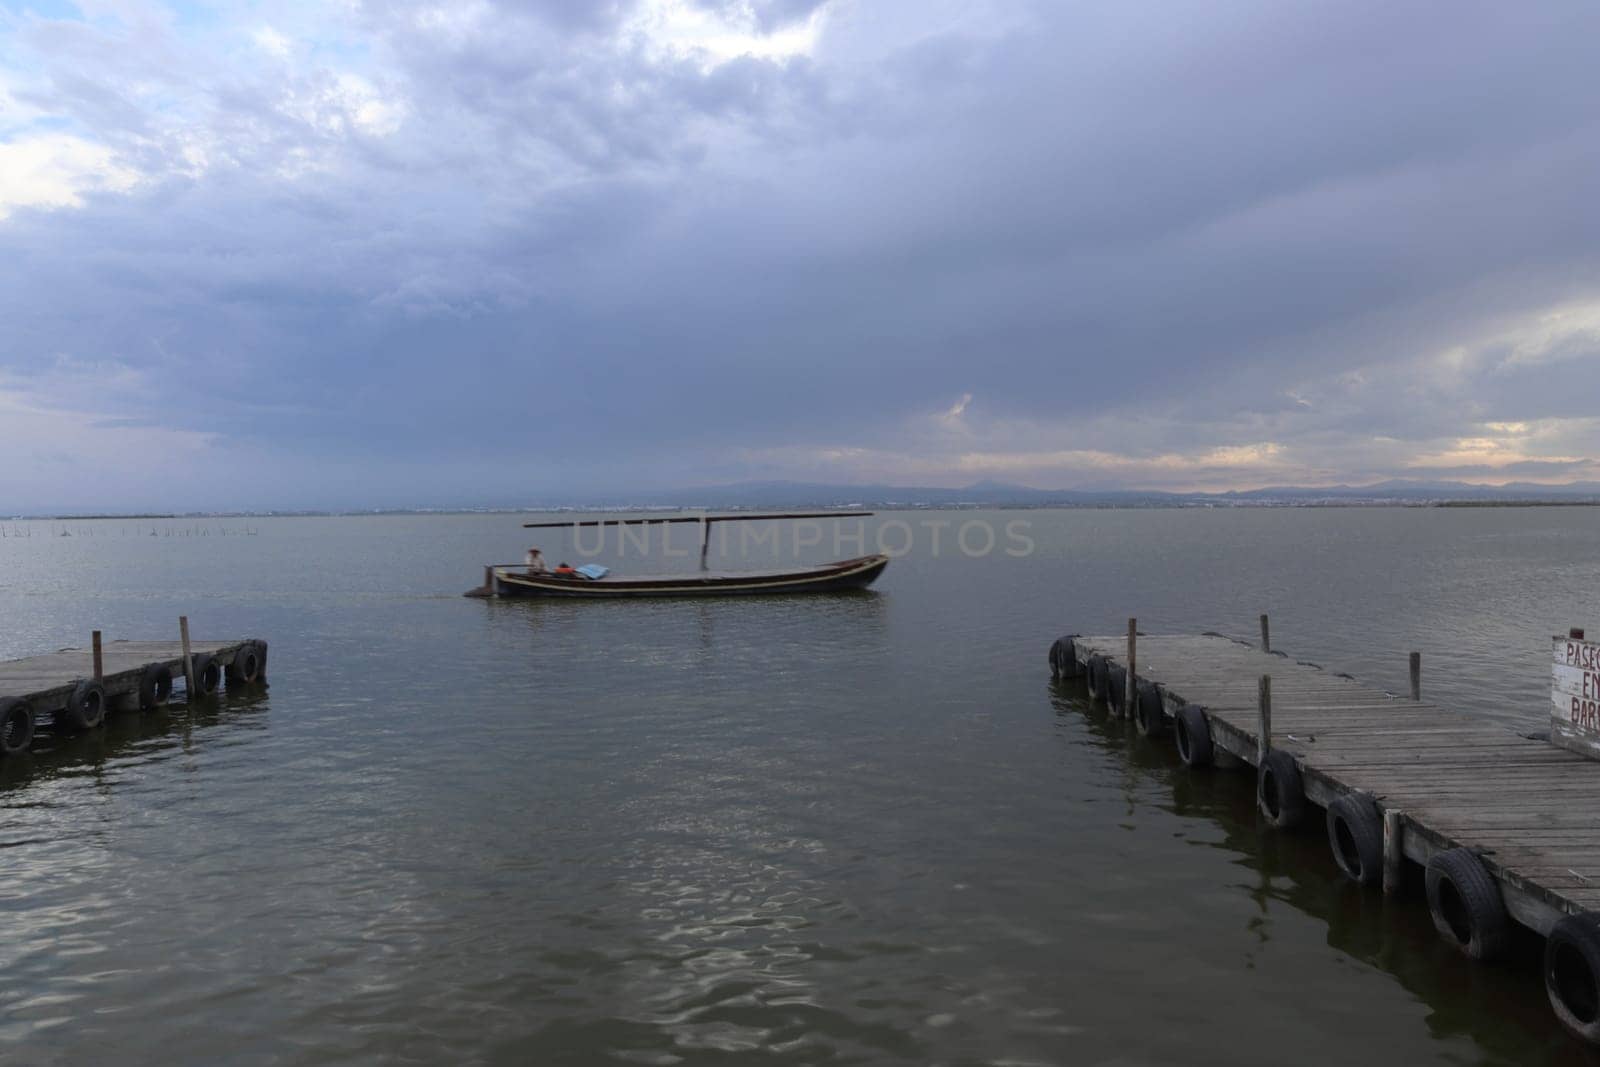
(840, 829)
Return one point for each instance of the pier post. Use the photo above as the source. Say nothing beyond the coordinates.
(1266, 640)
(1393, 849)
(1130, 692)
(1416, 676)
(188, 659)
(1263, 718)
(99, 660)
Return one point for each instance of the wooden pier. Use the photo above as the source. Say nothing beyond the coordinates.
(76, 687)
(1404, 779)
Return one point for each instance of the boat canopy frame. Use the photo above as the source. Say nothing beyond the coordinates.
(704, 520)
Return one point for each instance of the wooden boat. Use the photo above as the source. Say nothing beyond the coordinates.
(513, 581)
(827, 578)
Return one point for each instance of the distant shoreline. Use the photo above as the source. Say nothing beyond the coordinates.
(1108, 505)
(1517, 504)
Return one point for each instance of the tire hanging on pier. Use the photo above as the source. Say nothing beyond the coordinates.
(16, 726)
(1193, 734)
(1117, 688)
(1279, 792)
(86, 708)
(1148, 713)
(1466, 905)
(1064, 658)
(1572, 974)
(1095, 677)
(1355, 834)
(245, 668)
(207, 675)
(155, 686)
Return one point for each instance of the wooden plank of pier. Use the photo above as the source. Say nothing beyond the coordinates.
(1526, 806)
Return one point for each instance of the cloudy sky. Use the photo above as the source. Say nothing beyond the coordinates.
(404, 252)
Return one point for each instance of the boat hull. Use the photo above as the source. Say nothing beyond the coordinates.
(830, 578)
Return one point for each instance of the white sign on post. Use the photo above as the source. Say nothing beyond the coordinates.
(1575, 696)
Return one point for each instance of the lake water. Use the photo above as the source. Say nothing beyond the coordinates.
(855, 829)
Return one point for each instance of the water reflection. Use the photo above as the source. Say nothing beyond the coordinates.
(130, 737)
(1501, 1007)
(702, 632)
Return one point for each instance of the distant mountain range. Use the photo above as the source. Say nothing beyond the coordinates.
(782, 494)
(775, 495)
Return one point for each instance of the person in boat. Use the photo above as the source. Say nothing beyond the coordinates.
(564, 570)
(535, 561)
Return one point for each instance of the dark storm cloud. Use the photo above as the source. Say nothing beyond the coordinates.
(438, 237)
(1543, 470)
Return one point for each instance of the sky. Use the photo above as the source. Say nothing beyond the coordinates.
(400, 253)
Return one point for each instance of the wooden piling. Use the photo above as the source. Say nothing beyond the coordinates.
(1131, 689)
(1263, 717)
(188, 659)
(1393, 849)
(99, 660)
(1266, 640)
(1416, 676)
